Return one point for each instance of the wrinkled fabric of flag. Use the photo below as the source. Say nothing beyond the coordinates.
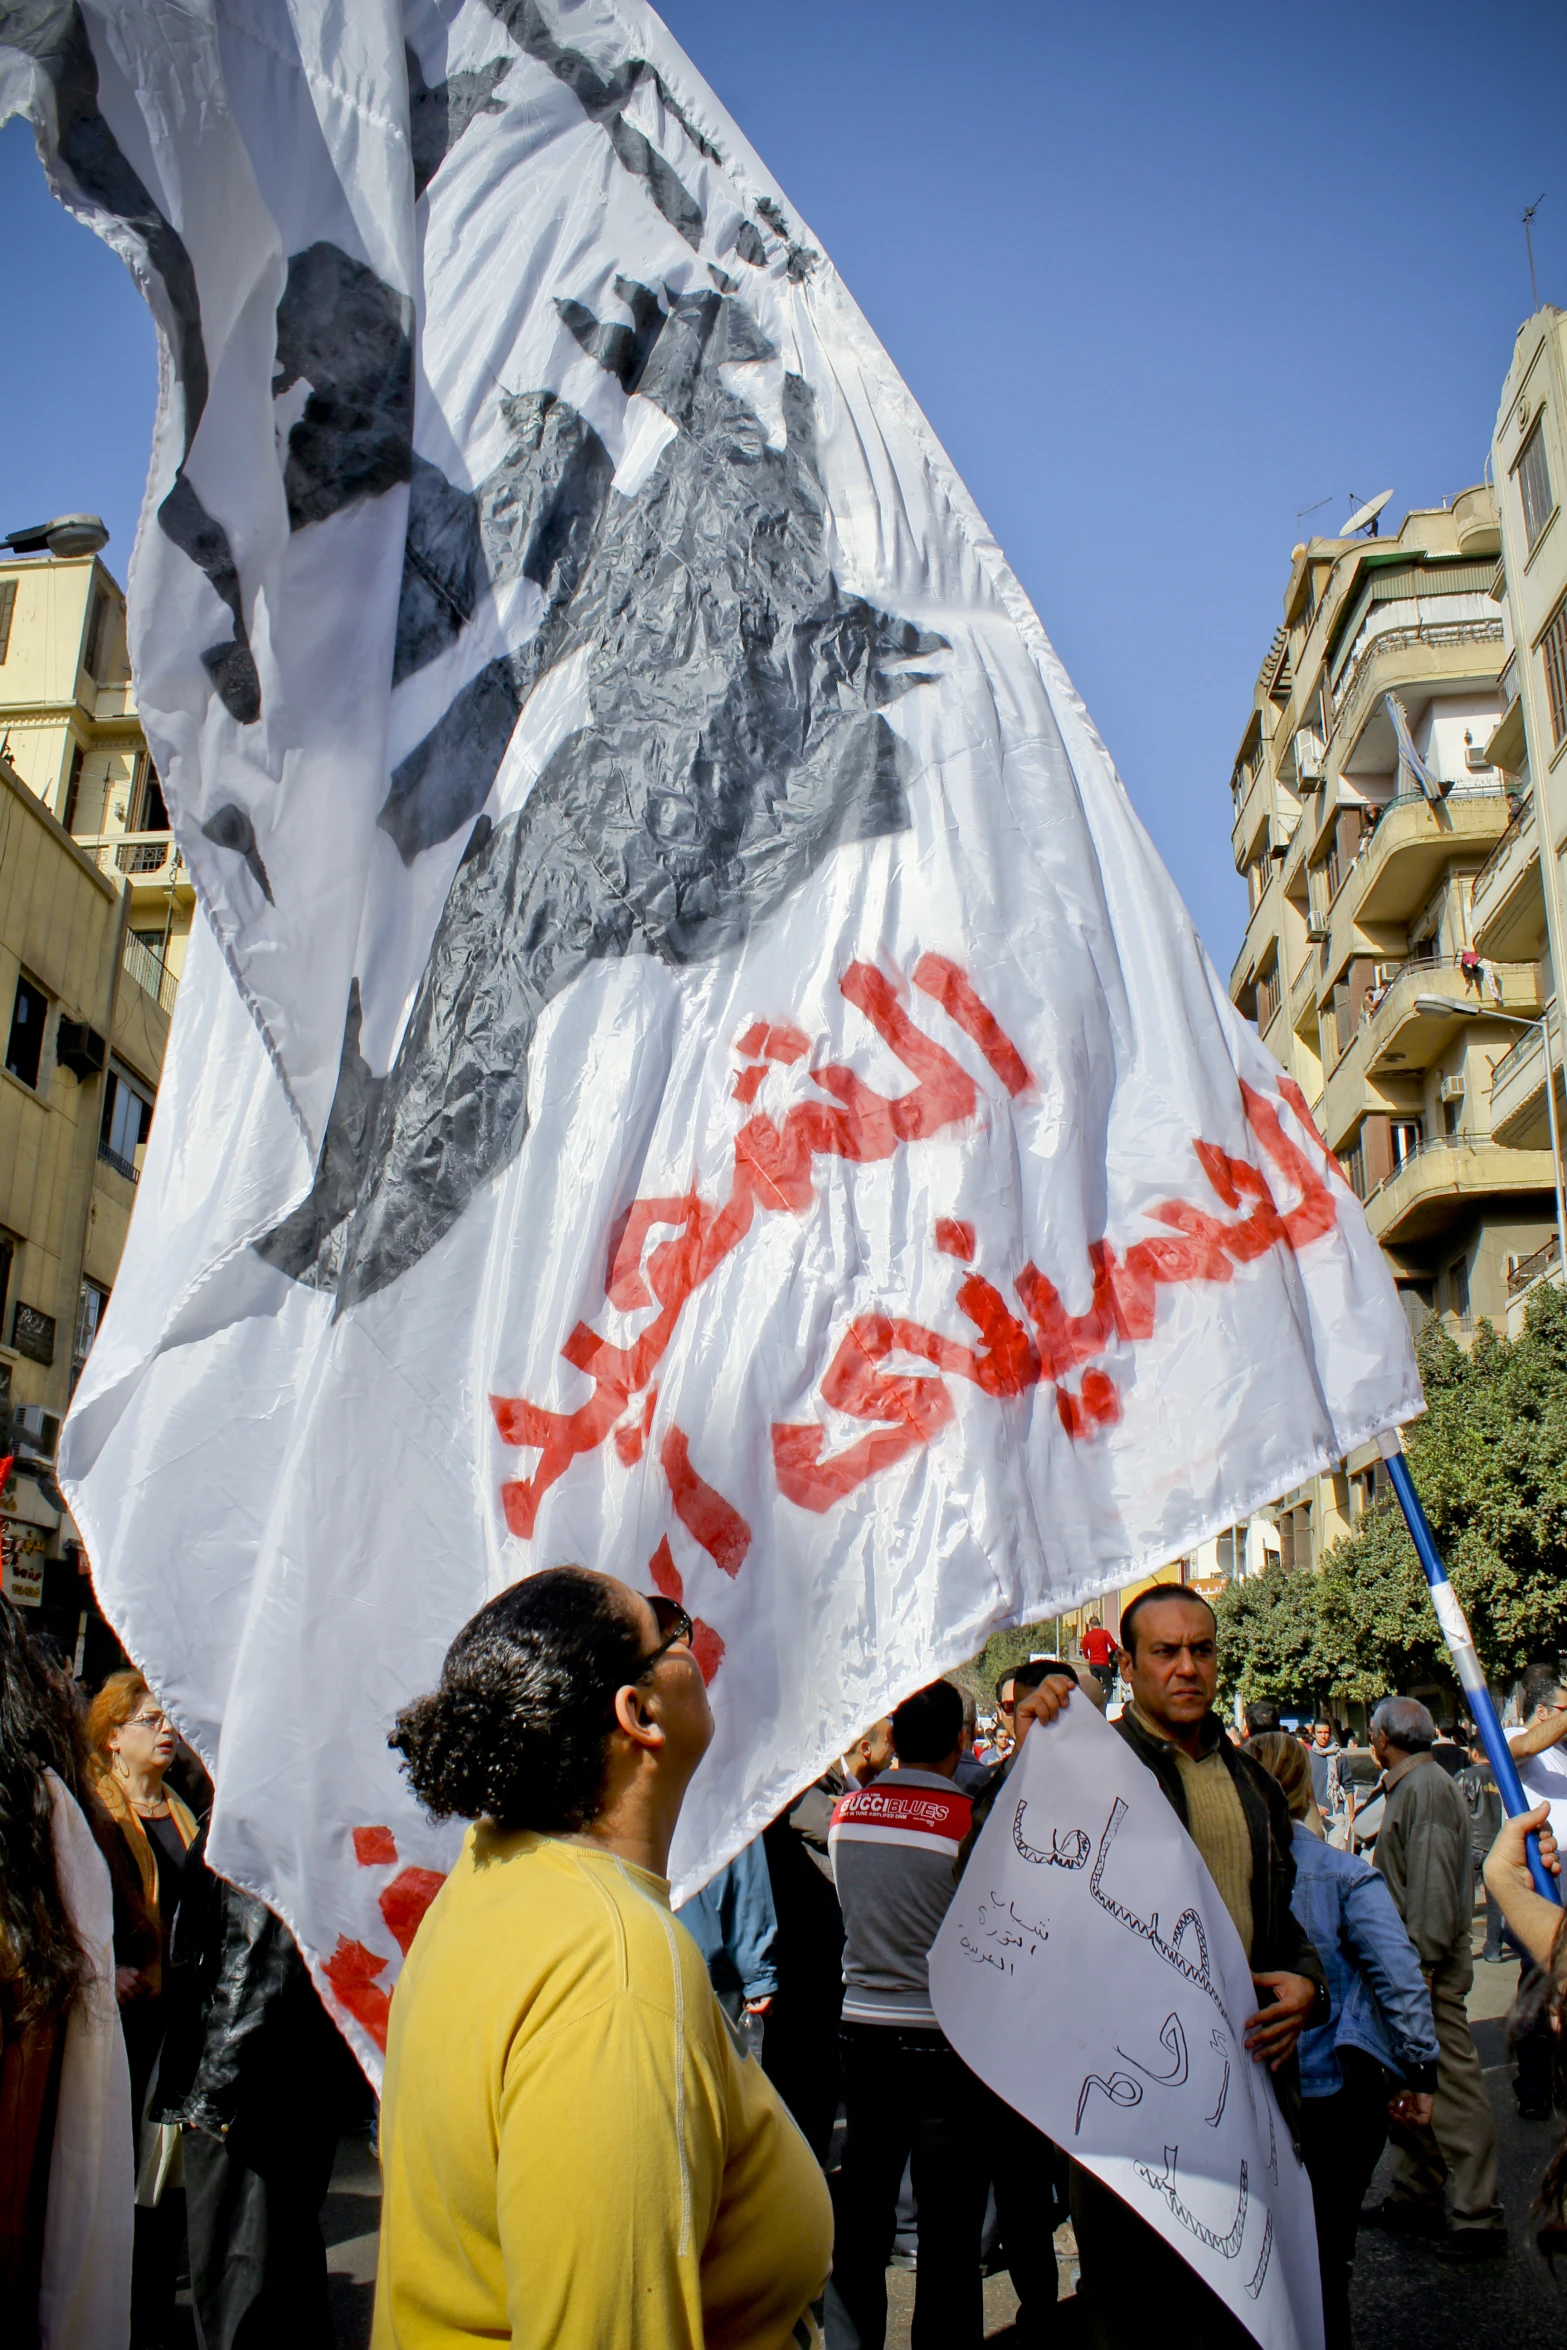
(689, 1062)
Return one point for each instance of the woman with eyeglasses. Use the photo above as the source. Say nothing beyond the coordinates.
(575, 2148)
(144, 1832)
(133, 1742)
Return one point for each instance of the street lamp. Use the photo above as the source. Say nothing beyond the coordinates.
(1441, 1007)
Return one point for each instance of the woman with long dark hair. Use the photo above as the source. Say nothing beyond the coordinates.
(575, 2148)
(65, 2180)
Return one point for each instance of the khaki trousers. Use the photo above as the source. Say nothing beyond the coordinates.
(1459, 2148)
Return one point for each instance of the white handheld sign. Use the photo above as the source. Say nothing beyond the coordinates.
(1089, 1972)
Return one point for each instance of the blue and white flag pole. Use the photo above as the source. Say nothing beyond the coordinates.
(1461, 1648)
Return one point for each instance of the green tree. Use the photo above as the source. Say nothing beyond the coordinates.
(1001, 1654)
(1268, 1636)
(1489, 1461)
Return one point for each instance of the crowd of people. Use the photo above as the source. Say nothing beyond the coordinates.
(169, 2079)
(602, 2126)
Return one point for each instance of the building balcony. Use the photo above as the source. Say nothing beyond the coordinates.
(150, 972)
(1519, 1113)
(1445, 1179)
(1253, 813)
(1507, 903)
(1526, 1275)
(1398, 1038)
(1391, 658)
(1303, 994)
(140, 860)
(1524, 1272)
(1267, 921)
(1403, 858)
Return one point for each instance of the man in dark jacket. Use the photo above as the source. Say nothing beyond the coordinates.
(1424, 1851)
(261, 2082)
(800, 2044)
(1236, 1815)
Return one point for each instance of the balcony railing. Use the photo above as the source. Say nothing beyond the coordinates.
(150, 972)
(1357, 683)
(1527, 1270)
(137, 856)
(1512, 1061)
(1468, 1146)
(1520, 824)
(125, 1167)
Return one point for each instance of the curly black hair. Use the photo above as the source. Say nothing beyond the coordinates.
(516, 1731)
(42, 1965)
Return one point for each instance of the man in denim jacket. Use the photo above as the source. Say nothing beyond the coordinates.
(1381, 2027)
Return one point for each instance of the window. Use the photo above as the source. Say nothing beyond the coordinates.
(24, 1054)
(1231, 1553)
(7, 1260)
(97, 630)
(1295, 1538)
(127, 1122)
(7, 608)
(1553, 652)
(1406, 1138)
(89, 1313)
(1534, 485)
(1269, 997)
(1458, 1288)
(150, 809)
(73, 789)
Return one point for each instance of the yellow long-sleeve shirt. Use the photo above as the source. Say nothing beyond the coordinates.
(575, 2150)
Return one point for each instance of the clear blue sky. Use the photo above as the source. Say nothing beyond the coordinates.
(1159, 276)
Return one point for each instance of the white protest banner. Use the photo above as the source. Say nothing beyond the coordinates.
(1090, 1973)
(689, 1061)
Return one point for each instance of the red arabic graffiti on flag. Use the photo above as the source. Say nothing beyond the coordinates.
(773, 1171)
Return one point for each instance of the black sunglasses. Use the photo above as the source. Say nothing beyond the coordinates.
(674, 1623)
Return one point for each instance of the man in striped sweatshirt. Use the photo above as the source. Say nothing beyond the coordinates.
(909, 2096)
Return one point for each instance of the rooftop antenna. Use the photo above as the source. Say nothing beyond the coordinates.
(1301, 512)
(1528, 237)
(1365, 517)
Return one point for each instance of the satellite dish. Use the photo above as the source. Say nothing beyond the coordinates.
(1365, 517)
(67, 534)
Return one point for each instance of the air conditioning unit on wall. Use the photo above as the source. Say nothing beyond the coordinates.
(1452, 1089)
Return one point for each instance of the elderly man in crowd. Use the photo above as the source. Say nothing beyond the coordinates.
(1423, 1850)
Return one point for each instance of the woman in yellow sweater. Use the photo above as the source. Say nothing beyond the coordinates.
(576, 2149)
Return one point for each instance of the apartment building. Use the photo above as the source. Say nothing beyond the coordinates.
(1374, 795)
(1517, 899)
(95, 912)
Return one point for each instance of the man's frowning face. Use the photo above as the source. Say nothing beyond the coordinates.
(1174, 1663)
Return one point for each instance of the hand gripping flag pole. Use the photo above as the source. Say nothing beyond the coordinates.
(1461, 1648)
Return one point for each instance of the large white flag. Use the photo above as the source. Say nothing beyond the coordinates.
(690, 1062)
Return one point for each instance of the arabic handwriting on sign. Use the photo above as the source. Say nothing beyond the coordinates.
(1120, 2088)
(1068, 1852)
(1163, 2183)
(772, 1172)
(1148, 1928)
(1173, 2041)
(1006, 1930)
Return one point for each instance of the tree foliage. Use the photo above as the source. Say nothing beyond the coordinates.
(1001, 1654)
(1489, 1461)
